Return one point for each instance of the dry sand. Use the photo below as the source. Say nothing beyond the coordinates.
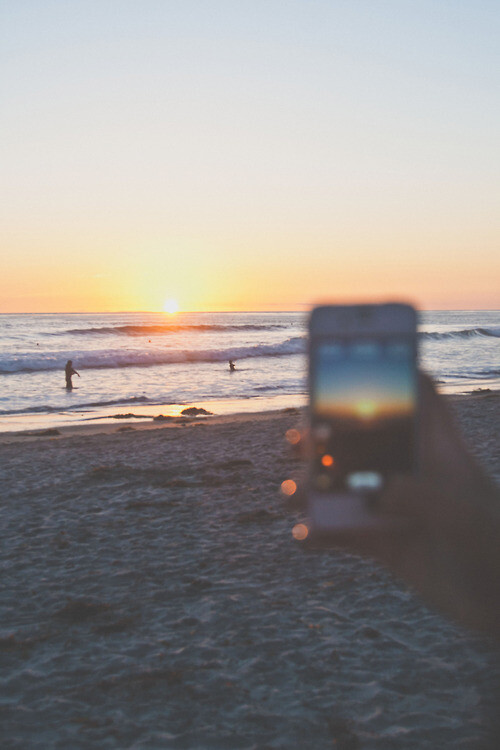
(152, 597)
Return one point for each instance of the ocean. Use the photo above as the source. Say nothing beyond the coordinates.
(152, 363)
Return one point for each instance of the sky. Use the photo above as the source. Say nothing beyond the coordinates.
(248, 154)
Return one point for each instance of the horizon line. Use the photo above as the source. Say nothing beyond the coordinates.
(223, 312)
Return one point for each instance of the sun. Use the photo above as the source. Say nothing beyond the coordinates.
(171, 305)
(366, 409)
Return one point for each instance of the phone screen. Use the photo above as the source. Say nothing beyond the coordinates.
(363, 401)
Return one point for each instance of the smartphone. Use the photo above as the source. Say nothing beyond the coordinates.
(362, 411)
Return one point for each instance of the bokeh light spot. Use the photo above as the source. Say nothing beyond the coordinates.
(293, 436)
(288, 487)
(300, 532)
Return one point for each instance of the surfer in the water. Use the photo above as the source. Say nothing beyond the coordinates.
(69, 372)
(232, 366)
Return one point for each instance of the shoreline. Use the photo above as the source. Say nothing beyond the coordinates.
(134, 412)
(121, 426)
(159, 416)
(141, 414)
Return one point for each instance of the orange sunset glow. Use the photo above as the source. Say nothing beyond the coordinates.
(366, 410)
(252, 185)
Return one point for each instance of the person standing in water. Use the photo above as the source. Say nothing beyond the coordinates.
(232, 366)
(69, 372)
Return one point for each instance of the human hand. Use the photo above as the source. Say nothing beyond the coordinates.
(443, 530)
(448, 549)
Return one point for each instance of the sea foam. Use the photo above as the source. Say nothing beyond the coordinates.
(103, 358)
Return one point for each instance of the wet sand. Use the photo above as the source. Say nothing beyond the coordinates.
(153, 597)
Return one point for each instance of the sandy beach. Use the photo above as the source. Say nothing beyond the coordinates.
(153, 597)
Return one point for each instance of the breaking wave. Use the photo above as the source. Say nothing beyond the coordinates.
(163, 328)
(99, 359)
(474, 374)
(461, 334)
(46, 408)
